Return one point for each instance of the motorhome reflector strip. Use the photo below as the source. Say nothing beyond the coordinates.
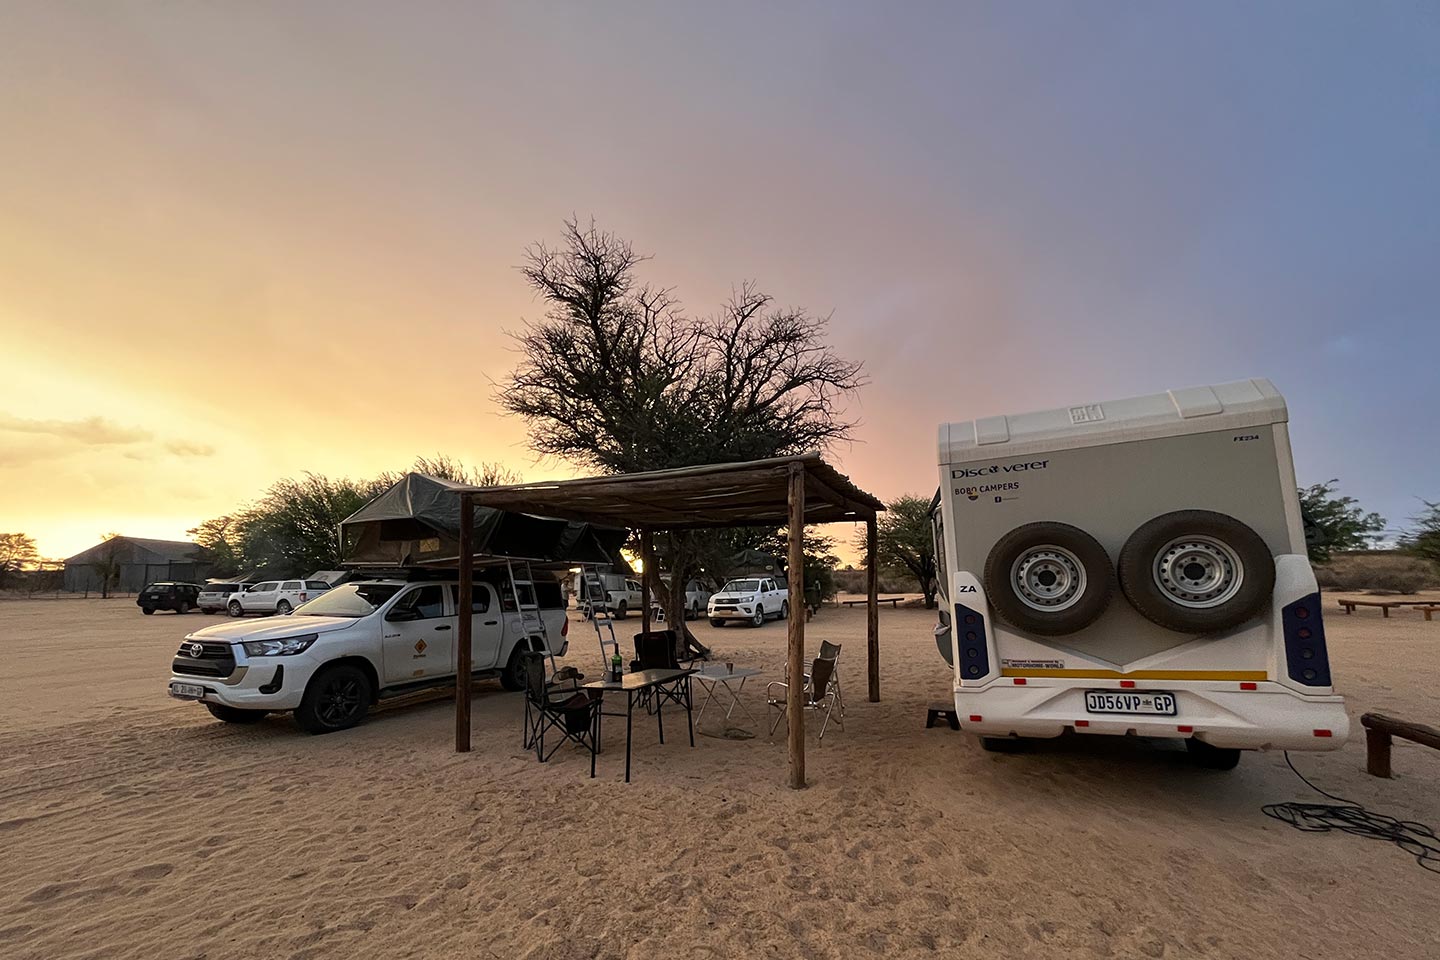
(1138, 674)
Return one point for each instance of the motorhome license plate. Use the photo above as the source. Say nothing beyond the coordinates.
(187, 691)
(1111, 701)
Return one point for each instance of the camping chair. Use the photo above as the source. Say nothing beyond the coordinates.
(829, 651)
(561, 706)
(656, 651)
(817, 693)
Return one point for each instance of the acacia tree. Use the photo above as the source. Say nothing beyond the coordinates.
(615, 377)
(904, 542)
(1423, 539)
(1335, 523)
(17, 552)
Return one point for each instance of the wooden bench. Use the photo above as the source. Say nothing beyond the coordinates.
(942, 711)
(1379, 733)
(1385, 605)
(1428, 609)
(893, 601)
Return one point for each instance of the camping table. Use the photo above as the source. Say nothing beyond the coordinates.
(635, 684)
(716, 676)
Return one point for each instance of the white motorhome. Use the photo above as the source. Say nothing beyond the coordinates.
(1134, 567)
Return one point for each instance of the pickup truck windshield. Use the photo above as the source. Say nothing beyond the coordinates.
(741, 586)
(352, 600)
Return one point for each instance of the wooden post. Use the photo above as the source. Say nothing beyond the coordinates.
(872, 608)
(1377, 753)
(647, 560)
(794, 710)
(465, 624)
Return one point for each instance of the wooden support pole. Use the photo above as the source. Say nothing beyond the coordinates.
(465, 625)
(647, 561)
(1379, 733)
(872, 608)
(794, 700)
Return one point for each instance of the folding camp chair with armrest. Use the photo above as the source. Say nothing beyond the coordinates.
(816, 693)
(559, 706)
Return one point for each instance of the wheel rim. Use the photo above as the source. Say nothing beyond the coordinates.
(759, 615)
(234, 609)
(1048, 578)
(1198, 572)
(339, 701)
(283, 608)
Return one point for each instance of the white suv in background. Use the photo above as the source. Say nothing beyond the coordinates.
(275, 596)
(752, 599)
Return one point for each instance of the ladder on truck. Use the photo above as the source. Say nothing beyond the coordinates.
(598, 599)
(531, 621)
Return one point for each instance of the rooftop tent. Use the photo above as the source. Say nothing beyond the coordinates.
(417, 523)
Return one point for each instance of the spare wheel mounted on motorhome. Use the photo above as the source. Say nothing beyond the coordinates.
(1134, 567)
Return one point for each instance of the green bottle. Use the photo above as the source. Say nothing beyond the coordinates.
(617, 665)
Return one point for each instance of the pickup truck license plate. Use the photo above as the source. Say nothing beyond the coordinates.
(187, 691)
(1149, 701)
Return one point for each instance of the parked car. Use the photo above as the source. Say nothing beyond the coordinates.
(697, 599)
(275, 596)
(622, 593)
(216, 596)
(1134, 567)
(751, 599)
(342, 652)
(168, 595)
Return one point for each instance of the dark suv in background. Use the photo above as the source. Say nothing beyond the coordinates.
(167, 595)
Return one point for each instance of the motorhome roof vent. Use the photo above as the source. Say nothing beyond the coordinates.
(1196, 402)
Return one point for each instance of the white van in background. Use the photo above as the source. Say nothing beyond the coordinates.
(1134, 567)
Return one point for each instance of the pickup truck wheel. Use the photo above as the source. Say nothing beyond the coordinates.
(183, 608)
(513, 676)
(694, 612)
(283, 608)
(148, 611)
(235, 609)
(759, 619)
(784, 609)
(716, 622)
(337, 698)
(235, 714)
(621, 611)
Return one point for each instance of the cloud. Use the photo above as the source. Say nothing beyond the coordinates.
(184, 448)
(90, 430)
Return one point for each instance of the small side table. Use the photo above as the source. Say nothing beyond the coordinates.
(714, 677)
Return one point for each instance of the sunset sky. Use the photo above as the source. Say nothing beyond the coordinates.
(243, 240)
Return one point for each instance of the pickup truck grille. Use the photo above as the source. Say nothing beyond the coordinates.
(215, 660)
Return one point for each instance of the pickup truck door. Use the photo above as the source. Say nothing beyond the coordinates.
(261, 598)
(486, 630)
(418, 635)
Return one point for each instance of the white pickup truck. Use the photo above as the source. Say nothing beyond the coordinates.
(334, 657)
(751, 599)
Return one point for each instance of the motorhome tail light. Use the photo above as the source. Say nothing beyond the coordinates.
(1306, 659)
(1082, 723)
(1019, 681)
(976, 718)
(974, 655)
(1322, 733)
(1127, 684)
(1248, 685)
(1184, 729)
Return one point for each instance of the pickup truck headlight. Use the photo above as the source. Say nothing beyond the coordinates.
(286, 647)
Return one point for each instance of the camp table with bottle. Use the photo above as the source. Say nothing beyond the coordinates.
(656, 686)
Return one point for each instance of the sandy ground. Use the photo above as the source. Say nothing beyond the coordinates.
(135, 826)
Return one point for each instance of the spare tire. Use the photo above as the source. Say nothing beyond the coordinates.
(1196, 571)
(1048, 578)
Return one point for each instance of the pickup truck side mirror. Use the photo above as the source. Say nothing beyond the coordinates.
(403, 615)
